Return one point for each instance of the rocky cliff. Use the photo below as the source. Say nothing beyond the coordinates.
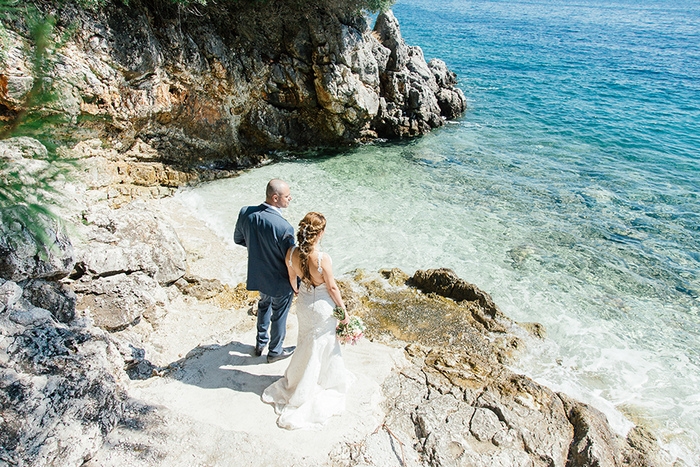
(223, 84)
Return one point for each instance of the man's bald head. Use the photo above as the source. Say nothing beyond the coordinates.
(278, 193)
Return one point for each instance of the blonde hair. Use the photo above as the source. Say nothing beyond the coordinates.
(310, 227)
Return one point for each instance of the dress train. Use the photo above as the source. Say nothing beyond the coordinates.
(315, 384)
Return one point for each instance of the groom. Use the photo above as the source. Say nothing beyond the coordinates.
(267, 236)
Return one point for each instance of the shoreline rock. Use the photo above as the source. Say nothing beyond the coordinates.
(457, 403)
(226, 86)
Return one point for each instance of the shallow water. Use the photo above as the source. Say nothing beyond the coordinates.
(568, 191)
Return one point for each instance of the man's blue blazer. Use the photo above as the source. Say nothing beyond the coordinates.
(267, 236)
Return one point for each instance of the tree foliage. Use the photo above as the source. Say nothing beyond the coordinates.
(372, 6)
(30, 182)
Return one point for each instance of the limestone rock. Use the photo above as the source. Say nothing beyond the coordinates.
(456, 404)
(226, 86)
(127, 259)
(24, 153)
(60, 389)
(415, 95)
(118, 301)
(512, 422)
(16, 76)
(595, 444)
(52, 296)
(131, 239)
(9, 293)
(33, 245)
(200, 288)
(32, 242)
(450, 99)
(122, 177)
(446, 283)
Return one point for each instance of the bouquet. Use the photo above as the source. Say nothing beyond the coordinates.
(350, 332)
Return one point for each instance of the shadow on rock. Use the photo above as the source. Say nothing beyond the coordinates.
(217, 366)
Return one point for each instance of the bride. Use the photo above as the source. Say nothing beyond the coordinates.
(315, 383)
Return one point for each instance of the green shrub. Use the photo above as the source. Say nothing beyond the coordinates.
(18, 184)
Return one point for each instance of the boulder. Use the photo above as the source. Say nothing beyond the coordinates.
(200, 288)
(52, 296)
(10, 293)
(126, 259)
(446, 283)
(131, 239)
(116, 302)
(33, 245)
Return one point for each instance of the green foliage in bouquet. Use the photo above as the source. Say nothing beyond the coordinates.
(339, 313)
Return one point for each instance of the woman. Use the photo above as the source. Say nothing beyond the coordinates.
(314, 386)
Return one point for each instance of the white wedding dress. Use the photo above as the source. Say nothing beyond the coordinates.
(314, 386)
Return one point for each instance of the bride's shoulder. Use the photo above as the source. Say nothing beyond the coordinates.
(325, 258)
(292, 252)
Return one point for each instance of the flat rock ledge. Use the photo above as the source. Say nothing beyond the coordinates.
(456, 403)
(451, 409)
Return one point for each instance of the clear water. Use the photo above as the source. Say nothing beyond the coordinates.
(569, 191)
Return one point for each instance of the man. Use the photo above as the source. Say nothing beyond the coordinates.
(267, 236)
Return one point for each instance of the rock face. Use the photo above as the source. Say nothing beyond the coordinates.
(415, 95)
(228, 83)
(456, 404)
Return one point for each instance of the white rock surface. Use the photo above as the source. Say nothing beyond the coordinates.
(209, 411)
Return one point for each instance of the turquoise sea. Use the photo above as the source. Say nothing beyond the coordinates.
(569, 191)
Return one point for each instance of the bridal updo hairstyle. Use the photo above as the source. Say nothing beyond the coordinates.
(310, 227)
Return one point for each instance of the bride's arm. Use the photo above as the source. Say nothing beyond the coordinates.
(291, 272)
(333, 290)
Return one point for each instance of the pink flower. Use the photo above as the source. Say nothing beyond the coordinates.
(350, 332)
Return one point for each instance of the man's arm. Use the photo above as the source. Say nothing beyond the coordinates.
(287, 240)
(238, 236)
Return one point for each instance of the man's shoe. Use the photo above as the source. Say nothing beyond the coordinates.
(281, 356)
(259, 350)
